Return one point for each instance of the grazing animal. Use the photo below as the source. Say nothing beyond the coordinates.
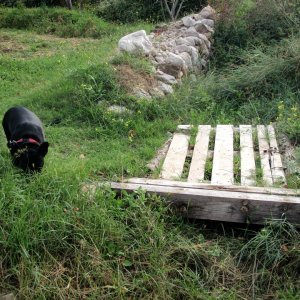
(25, 138)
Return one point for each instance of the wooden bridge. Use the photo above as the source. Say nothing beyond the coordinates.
(216, 173)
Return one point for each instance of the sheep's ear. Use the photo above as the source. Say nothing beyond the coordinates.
(43, 150)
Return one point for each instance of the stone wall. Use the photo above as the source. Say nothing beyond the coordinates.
(175, 50)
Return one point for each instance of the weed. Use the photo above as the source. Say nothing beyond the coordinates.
(208, 169)
(236, 140)
(273, 248)
(237, 169)
(287, 120)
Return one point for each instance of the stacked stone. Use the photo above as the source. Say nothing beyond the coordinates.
(178, 49)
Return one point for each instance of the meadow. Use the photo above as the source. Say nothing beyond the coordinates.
(57, 242)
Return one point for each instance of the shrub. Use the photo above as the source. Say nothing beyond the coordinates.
(244, 24)
(31, 3)
(261, 74)
(56, 21)
(136, 10)
(288, 119)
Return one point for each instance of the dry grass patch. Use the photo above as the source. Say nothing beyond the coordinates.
(16, 44)
(7, 44)
(130, 79)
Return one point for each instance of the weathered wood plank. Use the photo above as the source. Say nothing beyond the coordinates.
(222, 172)
(264, 150)
(276, 162)
(174, 161)
(207, 186)
(197, 167)
(223, 205)
(247, 155)
(184, 128)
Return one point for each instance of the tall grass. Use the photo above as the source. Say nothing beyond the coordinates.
(244, 25)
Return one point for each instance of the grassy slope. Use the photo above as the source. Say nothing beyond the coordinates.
(57, 243)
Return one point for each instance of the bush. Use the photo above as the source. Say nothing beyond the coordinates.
(245, 24)
(262, 73)
(288, 120)
(32, 3)
(136, 10)
(61, 22)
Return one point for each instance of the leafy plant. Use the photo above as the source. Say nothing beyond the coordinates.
(288, 119)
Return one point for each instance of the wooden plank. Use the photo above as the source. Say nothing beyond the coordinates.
(174, 161)
(184, 128)
(207, 186)
(197, 168)
(247, 156)
(223, 205)
(264, 150)
(222, 172)
(276, 162)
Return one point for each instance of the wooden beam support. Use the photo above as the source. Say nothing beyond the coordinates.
(208, 186)
(219, 205)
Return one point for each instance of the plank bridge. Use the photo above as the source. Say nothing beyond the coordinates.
(215, 173)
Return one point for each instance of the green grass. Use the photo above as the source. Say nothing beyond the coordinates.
(62, 22)
(57, 242)
(138, 64)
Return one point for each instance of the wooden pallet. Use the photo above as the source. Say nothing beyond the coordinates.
(223, 155)
(222, 198)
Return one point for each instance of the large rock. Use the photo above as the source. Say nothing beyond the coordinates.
(207, 13)
(165, 88)
(187, 59)
(188, 21)
(166, 78)
(156, 92)
(204, 50)
(191, 32)
(203, 28)
(192, 51)
(208, 22)
(141, 93)
(118, 109)
(194, 41)
(136, 42)
(159, 58)
(173, 65)
(205, 39)
(185, 41)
